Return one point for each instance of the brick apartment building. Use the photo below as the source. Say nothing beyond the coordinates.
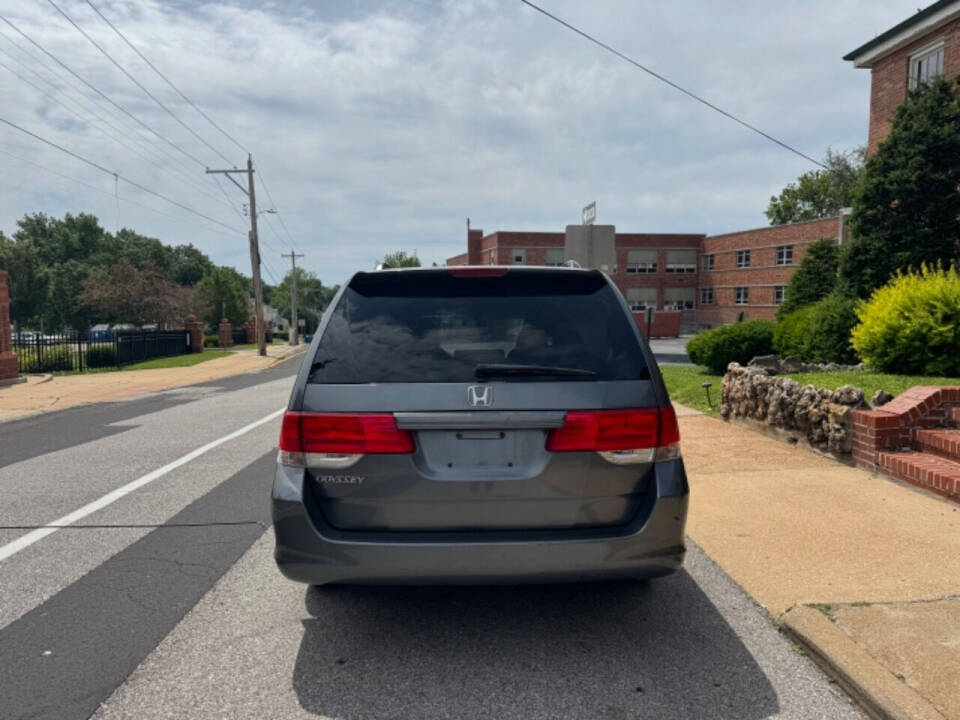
(922, 46)
(712, 280)
(707, 280)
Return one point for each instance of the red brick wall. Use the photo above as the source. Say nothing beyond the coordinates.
(762, 275)
(889, 78)
(8, 361)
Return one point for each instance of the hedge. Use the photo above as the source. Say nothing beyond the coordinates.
(740, 343)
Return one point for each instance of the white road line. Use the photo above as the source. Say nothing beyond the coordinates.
(34, 535)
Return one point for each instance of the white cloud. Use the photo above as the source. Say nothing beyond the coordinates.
(382, 125)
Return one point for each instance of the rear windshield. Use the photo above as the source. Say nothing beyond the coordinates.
(437, 327)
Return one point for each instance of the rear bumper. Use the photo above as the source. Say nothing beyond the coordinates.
(310, 551)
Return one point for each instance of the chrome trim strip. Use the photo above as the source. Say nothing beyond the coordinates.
(488, 419)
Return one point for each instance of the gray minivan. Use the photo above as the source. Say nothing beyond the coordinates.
(479, 425)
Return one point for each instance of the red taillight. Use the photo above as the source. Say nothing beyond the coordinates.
(478, 270)
(603, 430)
(343, 433)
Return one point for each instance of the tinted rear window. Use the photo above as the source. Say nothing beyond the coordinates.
(436, 327)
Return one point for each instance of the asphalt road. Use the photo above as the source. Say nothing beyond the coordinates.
(162, 600)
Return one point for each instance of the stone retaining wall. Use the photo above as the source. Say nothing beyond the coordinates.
(823, 418)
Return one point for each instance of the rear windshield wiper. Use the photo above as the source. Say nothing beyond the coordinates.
(489, 370)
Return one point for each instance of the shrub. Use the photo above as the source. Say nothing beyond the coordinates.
(831, 321)
(281, 334)
(100, 356)
(912, 324)
(792, 333)
(740, 343)
(814, 279)
(211, 341)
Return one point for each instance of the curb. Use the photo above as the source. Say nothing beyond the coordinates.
(875, 689)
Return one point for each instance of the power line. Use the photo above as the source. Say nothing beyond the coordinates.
(176, 173)
(672, 84)
(279, 216)
(137, 82)
(101, 93)
(202, 114)
(101, 168)
(101, 190)
(166, 79)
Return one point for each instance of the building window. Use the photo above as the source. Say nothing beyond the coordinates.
(519, 256)
(743, 258)
(641, 261)
(706, 263)
(779, 293)
(926, 65)
(741, 295)
(785, 255)
(640, 299)
(706, 296)
(678, 298)
(681, 261)
(491, 257)
(555, 257)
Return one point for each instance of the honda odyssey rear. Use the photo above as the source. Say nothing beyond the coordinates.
(479, 425)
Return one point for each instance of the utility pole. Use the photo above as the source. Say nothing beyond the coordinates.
(251, 194)
(294, 322)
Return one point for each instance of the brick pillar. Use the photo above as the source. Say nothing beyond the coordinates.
(8, 360)
(226, 333)
(250, 326)
(474, 240)
(195, 329)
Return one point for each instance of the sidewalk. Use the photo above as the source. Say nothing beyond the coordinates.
(47, 394)
(878, 561)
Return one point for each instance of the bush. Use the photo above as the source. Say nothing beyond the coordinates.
(281, 334)
(792, 333)
(912, 324)
(102, 356)
(831, 321)
(814, 279)
(740, 343)
(211, 341)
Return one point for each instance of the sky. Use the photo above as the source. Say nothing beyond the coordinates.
(384, 125)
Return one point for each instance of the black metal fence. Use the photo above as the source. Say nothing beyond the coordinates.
(79, 351)
(240, 336)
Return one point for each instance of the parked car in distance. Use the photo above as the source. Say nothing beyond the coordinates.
(479, 425)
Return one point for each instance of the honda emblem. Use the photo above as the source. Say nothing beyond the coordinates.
(480, 395)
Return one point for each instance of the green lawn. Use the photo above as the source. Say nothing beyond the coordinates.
(683, 383)
(178, 360)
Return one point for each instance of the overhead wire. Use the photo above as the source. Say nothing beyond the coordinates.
(292, 244)
(117, 132)
(671, 83)
(166, 79)
(102, 94)
(129, 201)
(100, 167)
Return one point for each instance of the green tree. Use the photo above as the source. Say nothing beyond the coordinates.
(28, 279)
(401, 258)
(62, 308)
(222, 293)
(819, 193)
(906, 211)
(815, 278)
(189, 265)
(122, 293)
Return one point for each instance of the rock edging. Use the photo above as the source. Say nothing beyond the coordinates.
(823, 417)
